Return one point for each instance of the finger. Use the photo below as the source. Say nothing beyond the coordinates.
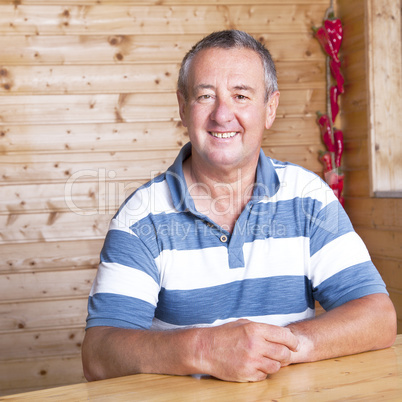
(270, 366)
(282, 336)
(277, 352)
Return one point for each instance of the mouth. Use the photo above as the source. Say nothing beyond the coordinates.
(229, 134)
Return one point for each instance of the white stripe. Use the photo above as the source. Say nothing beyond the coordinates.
(116, 224)
(119, 279)
(343, 252)
(279, 320)
(297, 182)
(149, 200)
(196, 269)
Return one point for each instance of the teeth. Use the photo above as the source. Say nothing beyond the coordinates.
(224, 135)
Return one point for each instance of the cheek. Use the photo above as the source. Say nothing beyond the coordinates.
(198, 115)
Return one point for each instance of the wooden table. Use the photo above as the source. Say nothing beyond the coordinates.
(367, 376)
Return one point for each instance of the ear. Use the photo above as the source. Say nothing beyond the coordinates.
(272, 105)
(182, 107)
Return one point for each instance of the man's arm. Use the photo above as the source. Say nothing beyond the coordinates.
(364, 324)
(237, 351)
(241, 350)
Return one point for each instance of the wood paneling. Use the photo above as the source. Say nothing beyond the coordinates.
(384, 75)
(161, 19)
(88, 113)
(55, 50)
(377, 220)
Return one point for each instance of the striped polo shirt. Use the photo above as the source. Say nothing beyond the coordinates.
(165, 265)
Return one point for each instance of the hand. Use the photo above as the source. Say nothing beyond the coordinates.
(246, 351)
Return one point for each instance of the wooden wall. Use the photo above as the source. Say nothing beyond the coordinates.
(377, 220)
(87, 113)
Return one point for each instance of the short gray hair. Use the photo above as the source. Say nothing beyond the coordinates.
(229, 39)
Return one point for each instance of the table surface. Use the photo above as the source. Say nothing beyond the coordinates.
(372, 376)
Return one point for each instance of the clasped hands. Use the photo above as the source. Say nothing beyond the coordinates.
(245, 351)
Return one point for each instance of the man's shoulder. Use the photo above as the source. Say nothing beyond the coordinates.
(298, 182)
(148, 198)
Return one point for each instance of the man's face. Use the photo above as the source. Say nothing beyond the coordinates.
(226, 112)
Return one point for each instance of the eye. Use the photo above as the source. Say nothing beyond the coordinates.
(204, 98)
(241, 97)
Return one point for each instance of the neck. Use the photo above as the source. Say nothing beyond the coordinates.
(220, 194)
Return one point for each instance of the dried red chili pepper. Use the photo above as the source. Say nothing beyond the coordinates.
(326, 160)
(334, 94)
(336, 73)
(335, 181)
(338, 139)
(325, 41)
(325, 127)
(335, 32)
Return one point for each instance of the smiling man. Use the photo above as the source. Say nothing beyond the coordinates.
(214, 266)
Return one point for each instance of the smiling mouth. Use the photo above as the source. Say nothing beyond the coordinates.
(223, 135)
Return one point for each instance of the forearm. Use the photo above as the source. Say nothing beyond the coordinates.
(364, 324)
(235, 351)
(113, 352)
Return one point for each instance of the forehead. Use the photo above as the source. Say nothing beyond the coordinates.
(226, 64)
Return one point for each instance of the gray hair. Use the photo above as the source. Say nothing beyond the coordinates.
(229, 39)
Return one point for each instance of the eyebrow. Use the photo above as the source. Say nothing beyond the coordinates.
(240, 87)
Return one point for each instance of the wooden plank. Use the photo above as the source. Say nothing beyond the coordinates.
(119, 166)
(30, 374)
(353, 28)
(140, 78)
(94, 137)
(55, 226)
(161, 19)
(42, 285)
(390, 270)
(49, 256)
(350, 10)
(355, 98)
(87, 108)
(50, 80)
(355, 123)
(356, 66)
(382, 243)
(101, 195)
(357, 183)
(16, 345)
(86, 166)
(155, 2)
(53, 313)
(115, 108)
(138, 136)
(21, 50)
(306, 156)
(384, 94)
(355, 155)
(382, 214)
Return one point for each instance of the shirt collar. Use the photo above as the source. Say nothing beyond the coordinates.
(266, 186)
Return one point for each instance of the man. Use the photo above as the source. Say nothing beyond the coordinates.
(214, 266)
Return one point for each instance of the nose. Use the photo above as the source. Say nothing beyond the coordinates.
(223, 111)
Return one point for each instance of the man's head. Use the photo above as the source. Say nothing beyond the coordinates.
(227, 40)
(226, 105)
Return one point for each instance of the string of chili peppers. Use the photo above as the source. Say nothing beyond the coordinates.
(330, 36)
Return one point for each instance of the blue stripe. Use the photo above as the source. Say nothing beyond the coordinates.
(126, 249)
(283, 219)
(330, 223)
(346, 285)
(176, 231)
(248, 298)
(107, 309)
